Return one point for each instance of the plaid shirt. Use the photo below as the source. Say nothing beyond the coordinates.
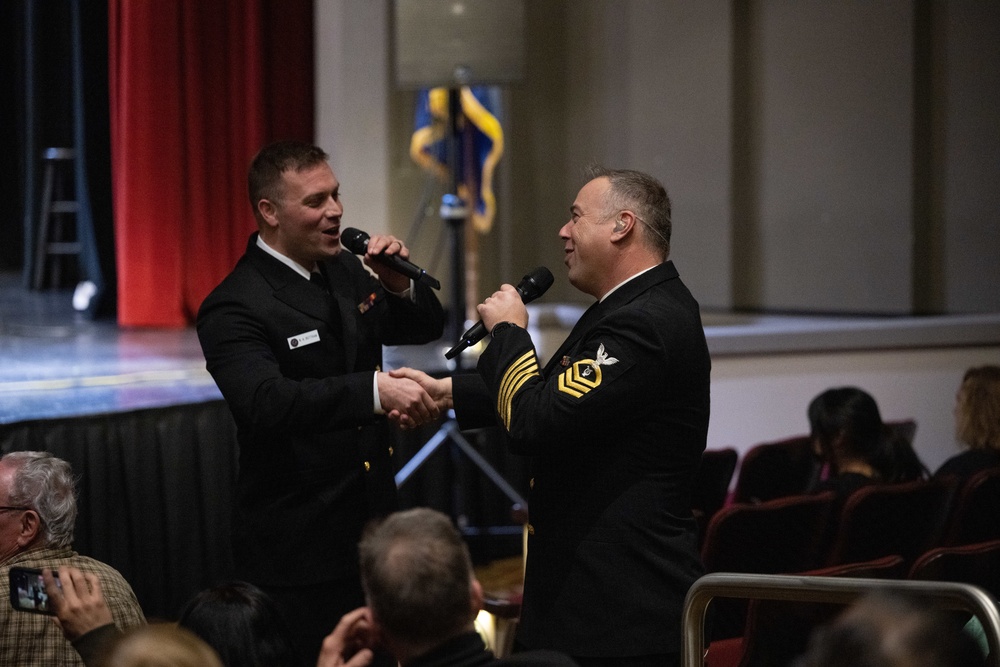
(28, 639)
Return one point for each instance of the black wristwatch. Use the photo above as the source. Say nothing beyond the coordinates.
(502, 326)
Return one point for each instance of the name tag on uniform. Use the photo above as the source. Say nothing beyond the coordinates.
(307, 338)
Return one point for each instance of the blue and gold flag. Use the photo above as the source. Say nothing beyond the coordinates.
(480, 148)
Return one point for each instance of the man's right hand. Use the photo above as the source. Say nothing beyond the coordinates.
(438, 389)
(348, 644)
(405, 401)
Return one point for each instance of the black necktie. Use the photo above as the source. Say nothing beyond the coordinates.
(316, 278)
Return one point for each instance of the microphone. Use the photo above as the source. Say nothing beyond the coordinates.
(532, 286)
(356, 241)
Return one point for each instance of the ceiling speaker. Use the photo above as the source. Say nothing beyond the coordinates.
(458, 42)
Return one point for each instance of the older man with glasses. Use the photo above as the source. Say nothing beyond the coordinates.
(37, 517)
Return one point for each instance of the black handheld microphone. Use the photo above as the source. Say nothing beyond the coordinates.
(356, 241)
(532, 286)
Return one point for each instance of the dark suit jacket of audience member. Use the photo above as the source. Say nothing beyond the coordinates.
(468, 650)
(969, 462)
(843, 485)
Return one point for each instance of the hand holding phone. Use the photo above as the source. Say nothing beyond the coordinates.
(77, 601)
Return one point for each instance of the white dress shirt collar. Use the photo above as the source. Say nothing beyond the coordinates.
(287, 261)
(625, 281)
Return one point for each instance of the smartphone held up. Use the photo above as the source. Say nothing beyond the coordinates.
(27, 590)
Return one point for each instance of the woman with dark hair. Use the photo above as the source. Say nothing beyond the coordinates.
(977, 423)
(859, 449)
(243, 625)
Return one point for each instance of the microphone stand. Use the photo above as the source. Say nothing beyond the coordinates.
(454, 213)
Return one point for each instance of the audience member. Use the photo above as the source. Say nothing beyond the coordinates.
(977, 423)
(243, 624)
(858, 448)
(891, 630)
(162, 645)
(423, 598)
(37, 518)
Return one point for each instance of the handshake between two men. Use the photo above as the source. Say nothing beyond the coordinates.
(411, 397)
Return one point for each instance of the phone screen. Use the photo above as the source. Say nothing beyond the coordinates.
(27, 591)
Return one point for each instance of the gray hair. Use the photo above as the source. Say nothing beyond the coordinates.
(45, 484)
(643, 195)
(416, 572)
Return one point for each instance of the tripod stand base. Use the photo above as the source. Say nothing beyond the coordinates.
(450, 431)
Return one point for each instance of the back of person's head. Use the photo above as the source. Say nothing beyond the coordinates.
(46, 485)
(977, 408)
(891, 630)
(847, 424)
(266, 169)
(161, 645)
(417, 576)
(847, 415)
(242, 623)
(645, 196)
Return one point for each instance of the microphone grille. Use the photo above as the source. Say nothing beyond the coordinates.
(535, 283)
(354, 240)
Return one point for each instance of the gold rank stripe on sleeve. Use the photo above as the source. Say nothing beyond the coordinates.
(517, 374)
(580, 378)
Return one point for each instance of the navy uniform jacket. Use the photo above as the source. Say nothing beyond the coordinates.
(615, 424)
(296, 368)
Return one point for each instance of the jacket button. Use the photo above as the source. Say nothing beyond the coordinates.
(531, 529)
(390, 451)
(531, 483)
(368, 466)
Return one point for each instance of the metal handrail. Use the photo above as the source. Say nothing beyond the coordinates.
(842, 590)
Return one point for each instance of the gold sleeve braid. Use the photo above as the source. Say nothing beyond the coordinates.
(516, 375)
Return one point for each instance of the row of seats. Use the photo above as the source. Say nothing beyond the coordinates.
(768, 470)
(805, 532)
(776, 631)
(890, 525)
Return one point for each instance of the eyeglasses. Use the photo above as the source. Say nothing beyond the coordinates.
(10, 508)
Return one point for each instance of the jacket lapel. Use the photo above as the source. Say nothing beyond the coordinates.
(617, 299)
(295, 291)
(582, 325)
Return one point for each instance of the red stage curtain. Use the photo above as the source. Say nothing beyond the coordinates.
(196, 88)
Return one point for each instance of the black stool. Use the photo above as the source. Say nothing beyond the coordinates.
(57, 236)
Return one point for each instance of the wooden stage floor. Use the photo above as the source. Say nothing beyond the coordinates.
(55, 362)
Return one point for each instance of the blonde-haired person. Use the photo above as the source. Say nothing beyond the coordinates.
(161, 645)
(977, 423)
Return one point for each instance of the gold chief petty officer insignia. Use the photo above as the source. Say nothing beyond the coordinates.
(585, 375)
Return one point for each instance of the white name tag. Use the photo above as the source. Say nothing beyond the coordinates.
(307, 338)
